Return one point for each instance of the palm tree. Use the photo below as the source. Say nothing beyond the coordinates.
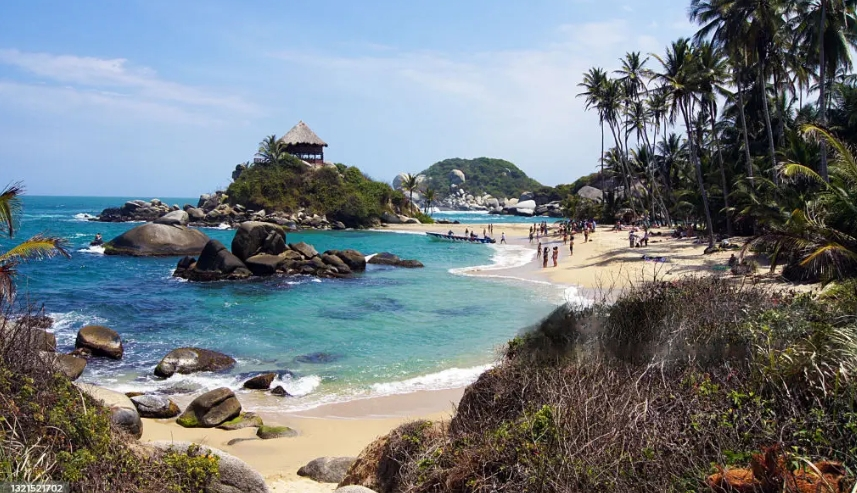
(271, 151)
(37, 247)
(831, 26)
(593, 82)
(410, 183)
(821, 237)
(430, 195)
(681, 77)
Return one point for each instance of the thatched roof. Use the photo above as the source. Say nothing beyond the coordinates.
(301, 134)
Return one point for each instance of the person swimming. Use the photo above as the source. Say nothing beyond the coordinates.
(97, 241)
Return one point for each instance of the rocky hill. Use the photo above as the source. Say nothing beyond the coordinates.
(479, 176)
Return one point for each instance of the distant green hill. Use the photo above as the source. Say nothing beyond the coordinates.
(498, 177)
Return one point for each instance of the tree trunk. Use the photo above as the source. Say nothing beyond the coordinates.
(747, 157)
(696, 164)
(822, 91)
(722, 173)
(763, 83)
(624, 165)
(602, 161)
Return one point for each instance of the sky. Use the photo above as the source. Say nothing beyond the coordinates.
(157, 98)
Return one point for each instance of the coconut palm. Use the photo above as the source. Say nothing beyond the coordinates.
(593, 82)
(271, 151)
(680, 76)
(830, 26)
(37, 247)
(821, 237)
(429, 197)
(410, 183)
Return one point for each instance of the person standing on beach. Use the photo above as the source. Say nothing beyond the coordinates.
(539, 251)
(503, 237)
(545, 258)
(531, 237)
(571, 246)
(586, 234)
(555, 255)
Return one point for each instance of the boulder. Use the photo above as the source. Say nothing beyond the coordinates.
(100, 340)
(526, 204)
(122, 410)
(387, 258)
(338, 225)
(235, 476)
(456, 177)
(526, 196)
(268, 432)
(398, 180)
(254, 237)
(337, 262)
(154, 240)
(280, 391)
(175, 218)
(215, 263)
(327, 469)
(591, 193)
(306, 250)
(521, 211)
(192, 360)
(155, 406)
(244, 420)
(412, 220)
(492, 203)
(511, 202)
(70, 366)
(210, 409)
(195, 214)
(263, 264)
(260, 382)
(355, 260)
(390, 218)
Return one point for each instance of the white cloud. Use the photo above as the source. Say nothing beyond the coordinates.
(112, 82)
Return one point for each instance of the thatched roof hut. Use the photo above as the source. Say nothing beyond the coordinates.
(304, 144)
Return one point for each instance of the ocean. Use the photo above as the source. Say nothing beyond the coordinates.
(384, 332)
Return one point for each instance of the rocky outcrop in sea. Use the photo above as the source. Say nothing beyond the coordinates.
(212, 210)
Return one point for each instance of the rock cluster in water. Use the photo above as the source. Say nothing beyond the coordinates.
(211, 210)
(260, 249)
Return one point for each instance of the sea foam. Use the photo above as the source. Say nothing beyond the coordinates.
(450, 378)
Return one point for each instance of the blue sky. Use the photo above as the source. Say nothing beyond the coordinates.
(163, 98)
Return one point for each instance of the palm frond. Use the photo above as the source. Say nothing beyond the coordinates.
(10, 205)
(36, 248)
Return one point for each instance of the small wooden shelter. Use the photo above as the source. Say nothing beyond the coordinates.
(304, 144)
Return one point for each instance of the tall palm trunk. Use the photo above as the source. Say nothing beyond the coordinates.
(763, 84)
(722, 172)
(624, 164)
(602, 161)
(747, 157)
(822, 91)
(696, 164)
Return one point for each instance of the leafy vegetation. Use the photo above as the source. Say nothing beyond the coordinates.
(782, 69)
(483, 175)
(279, 181)
(654, 392)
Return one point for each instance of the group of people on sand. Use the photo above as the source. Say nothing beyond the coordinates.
(537, 230)
(543, 255)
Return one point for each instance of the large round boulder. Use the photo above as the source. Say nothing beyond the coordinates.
(260, 382)
(210, 409)
(263, 264)
(122, 411)
(155, 406)
(192, 360)
(234, 475)
(327, 469)
(387, 258)
(254, 237)
(306, 250)
(70, 366)
(456, 177)
(157, 240)
(100, 341)
(175, 218)
(355, 260)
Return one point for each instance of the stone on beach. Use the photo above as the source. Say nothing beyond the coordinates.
(210, 409)
(100, 340)
(155, 406)
(280, 391)
(123, 413)
(353, 489)
(244, 420)
(270, 432)
(192, 360)
(234, 475)
(327, 469)
(260, 382)
(157, 240)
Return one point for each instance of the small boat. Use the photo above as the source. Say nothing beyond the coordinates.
(466, 239)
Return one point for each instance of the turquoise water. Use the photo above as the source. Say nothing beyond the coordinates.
(386, 331)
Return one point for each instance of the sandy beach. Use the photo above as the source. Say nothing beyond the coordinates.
(604, 264)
